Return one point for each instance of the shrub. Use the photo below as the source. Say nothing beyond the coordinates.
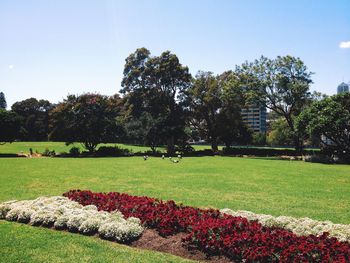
(261, 151)
(49, 153)
(74, 151)
(319, 158)
(112, 151)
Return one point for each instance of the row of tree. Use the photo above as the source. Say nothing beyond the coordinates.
(162, 104)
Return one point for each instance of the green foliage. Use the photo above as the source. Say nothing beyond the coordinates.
(281, 84)
(3, 104)
(280, 133)
(154, 88)
(215, 103)
(259, 138)
(88, 118)
(35, 115)
(74, 151)
(49, 153)
(264, 151)
(329, 120)
(112, 151)
(10, 124)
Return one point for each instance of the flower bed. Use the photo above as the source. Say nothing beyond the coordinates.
(61, 213)
(299, 226)
(217, 233)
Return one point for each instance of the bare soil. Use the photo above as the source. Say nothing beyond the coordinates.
(151, 240)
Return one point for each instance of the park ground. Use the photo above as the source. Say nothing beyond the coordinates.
(275, 187)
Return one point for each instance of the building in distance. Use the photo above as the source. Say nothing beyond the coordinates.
(343, 87)
(254, 116)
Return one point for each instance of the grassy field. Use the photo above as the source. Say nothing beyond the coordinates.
(259, 185)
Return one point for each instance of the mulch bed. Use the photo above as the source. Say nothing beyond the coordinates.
(151, 240)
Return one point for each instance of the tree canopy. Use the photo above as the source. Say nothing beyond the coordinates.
(215, 104)
(281, 84)
(10, 124)
(88, 118)
(156, 85)
(35, 118)
(329, 120)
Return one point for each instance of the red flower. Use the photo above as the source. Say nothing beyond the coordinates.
(216, 233)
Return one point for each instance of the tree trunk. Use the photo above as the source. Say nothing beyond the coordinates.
(298, 144)
(214, 145)
(170, 146)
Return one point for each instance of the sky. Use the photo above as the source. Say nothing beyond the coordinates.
(49, 48)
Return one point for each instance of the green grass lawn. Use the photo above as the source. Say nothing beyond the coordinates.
(260, 185)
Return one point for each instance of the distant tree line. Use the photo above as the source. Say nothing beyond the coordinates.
(162, 104)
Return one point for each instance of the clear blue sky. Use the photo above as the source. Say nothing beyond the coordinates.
(49, 48)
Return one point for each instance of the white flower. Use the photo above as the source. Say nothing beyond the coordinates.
(4, 209)
(90, 207)
(43, 217)
(63, 213)
(300, 226)
(90, 226)
(61, 221)
(75, 221)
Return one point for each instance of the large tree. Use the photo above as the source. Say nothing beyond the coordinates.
(3, 104)
(10, 125)
(329, 120)
(89, 119)
(281, 84)
(156, 84)
(35, 115)
(215, 104)
(204, 100)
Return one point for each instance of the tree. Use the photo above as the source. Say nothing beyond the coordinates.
(329, 120)
(215, 104)
(204, 100)
(10, 124)
(156, 85)
(35, 114)
(88, 118)
(3, 104)
(279, 133)
(281, 84)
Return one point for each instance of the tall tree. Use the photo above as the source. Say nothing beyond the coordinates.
(156, 84)
(329, 120)
(215, 104)
(3, 104)
(10, 124)
(89, 119)
(204, 100)
(35, 118)
(281, 84)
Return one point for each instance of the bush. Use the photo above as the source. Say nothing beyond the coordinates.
(261, 151)
(49, 153)
(319, 158)
(112, 151)
(74, 151)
